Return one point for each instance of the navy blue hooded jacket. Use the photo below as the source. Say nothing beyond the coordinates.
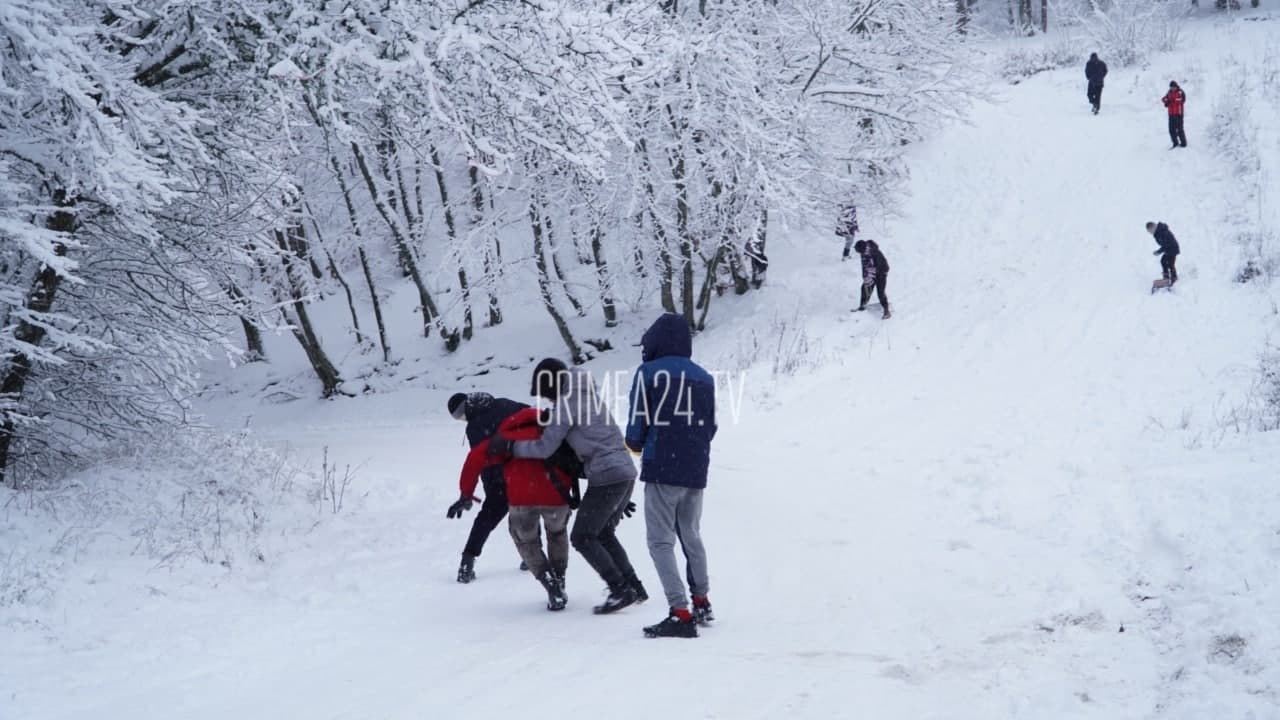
(1164, 237)
(673, 408)
(1095, 70)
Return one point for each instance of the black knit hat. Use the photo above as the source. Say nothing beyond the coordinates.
(455, 405)
(547, 378)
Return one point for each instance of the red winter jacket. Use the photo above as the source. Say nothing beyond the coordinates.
(528, 481)
(1174, 100)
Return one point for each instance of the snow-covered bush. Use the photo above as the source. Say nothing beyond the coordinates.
(1125, 32)
(189, 496)
(1023, 62)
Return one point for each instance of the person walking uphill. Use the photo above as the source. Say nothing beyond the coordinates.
(1168, 250)
(581, 418)
(875, 273)
(1175, 100)
(483, 413)
(539, 495)
(670, 425)
(1095, 71)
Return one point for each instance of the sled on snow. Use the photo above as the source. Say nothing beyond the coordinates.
(1161, 284)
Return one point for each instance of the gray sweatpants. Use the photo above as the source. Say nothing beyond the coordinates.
(675, 513)
(526, 522)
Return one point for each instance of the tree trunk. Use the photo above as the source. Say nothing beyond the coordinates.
(428, 306)
(687, 244)
(38, 302)
(708, 285)
(377, 304)
(962, 16)
(553, 246)
(452, 230)
(602, 274)
(351, 303)
(254, 350)
(1044, 16)
(544, 282)
(490, 267)
(660, 236)
(301, 326)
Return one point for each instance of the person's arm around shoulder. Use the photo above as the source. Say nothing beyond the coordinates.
(553, 433)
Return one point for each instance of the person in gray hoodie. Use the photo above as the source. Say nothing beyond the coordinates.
(581, 417)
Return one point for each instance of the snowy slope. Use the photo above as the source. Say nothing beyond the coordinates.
(952, 514)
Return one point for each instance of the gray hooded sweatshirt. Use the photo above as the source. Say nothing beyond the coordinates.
(582, 418)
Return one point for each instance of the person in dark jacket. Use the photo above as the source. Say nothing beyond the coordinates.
(875, 273)
(759, 262)
(539, 495)
(1175, 101)
(483, 413)
(671, 424)
(1168, 250)
(1095, 71)
(580, 416)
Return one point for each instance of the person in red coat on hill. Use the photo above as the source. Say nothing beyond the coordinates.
(539, 494)
(1174, 100)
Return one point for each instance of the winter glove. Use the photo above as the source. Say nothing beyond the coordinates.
(455, 510)
(629, 510)
(574, 502)
(499, 446)
(1157, 252)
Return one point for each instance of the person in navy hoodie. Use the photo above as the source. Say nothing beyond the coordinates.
(670, 425)
(1168, 250)
(1095, 71)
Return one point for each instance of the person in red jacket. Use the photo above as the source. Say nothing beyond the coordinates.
(1174, 100)
(538, 495)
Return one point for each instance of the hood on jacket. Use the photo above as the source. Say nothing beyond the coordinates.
(668, 335)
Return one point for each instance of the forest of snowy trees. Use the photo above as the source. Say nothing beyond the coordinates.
(181, 177)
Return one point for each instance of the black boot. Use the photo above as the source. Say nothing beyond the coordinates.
(674, 626)
(619, 597)
(467, 568)
(636, 585)
(554, 585)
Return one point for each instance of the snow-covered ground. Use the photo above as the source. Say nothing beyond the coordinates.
(1022, 497)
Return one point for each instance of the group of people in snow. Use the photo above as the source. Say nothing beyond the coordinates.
(1095, 71)
(530, 462)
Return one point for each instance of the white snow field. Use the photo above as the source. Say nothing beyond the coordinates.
(1024, 496)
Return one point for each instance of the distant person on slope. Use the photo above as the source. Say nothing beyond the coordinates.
(847, 227)
(754, 250)
(483, 413)
(1168, 250)
(671, 423)
(875, 273)
(1175, 100)
(540, 496)
(1095, 71)
(581, 417)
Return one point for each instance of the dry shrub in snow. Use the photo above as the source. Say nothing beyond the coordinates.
(186, 496)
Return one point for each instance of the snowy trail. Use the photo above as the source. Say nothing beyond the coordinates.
(949, 521)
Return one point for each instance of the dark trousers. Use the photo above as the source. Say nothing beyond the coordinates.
(881, 279)
(594, 535)
(491, 513)
(1175, 131)
(1167, 267)
(1095, 96)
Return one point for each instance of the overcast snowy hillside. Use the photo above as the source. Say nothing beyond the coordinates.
(1038, 491)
